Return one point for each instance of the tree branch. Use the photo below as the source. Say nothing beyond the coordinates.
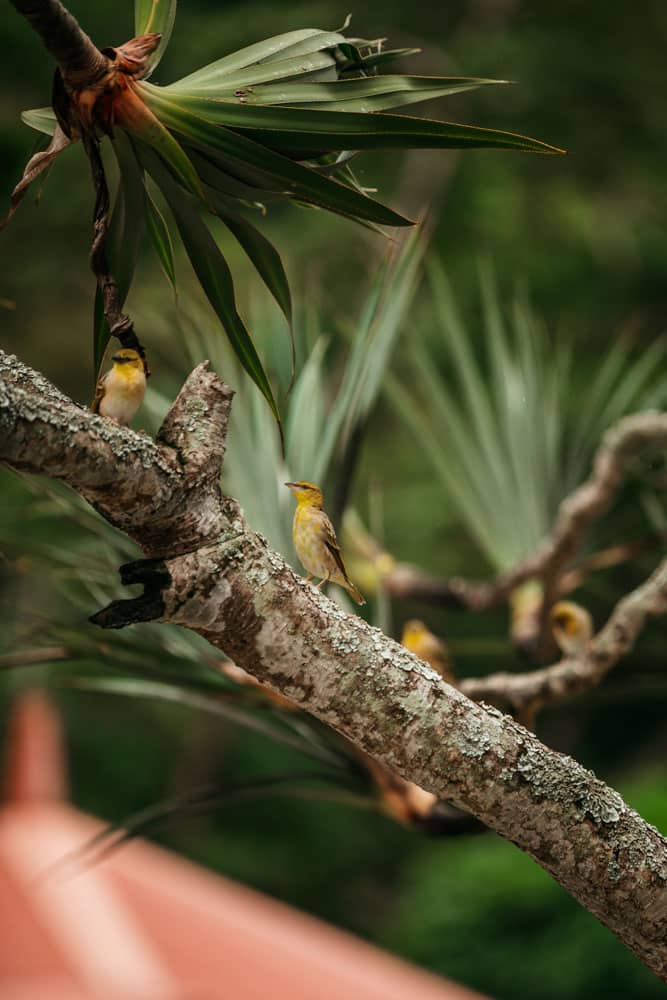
(80, 61)
(215, 576)
(82, 99)
(574, 675)
(620, 446)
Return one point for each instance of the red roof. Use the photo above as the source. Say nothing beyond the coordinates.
(146, 925)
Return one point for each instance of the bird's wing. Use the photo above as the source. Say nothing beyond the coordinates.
(331, 543)
(100, 389)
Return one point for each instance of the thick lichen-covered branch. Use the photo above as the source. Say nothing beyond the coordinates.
(138, 485)
(208, 572)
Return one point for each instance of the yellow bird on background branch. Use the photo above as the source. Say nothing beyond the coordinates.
(572, 627)
(315, 539)
(423, 643)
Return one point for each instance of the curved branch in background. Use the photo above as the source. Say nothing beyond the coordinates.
(528, 692)
(550, 561)
(211, 574)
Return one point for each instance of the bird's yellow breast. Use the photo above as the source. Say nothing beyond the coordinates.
(308, 542)
(127, 378)
(124, 388)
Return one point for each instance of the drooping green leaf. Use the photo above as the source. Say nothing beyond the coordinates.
(213, 168)
(214, 275)
(315, 786)
(287, 128)
(260, 251)
(213, 703)
(268, 265)
(161, 238)
(143, 125)
(277, 172)
(123, 240)
(155, 15)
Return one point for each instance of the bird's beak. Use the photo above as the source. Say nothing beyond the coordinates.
(292, 486)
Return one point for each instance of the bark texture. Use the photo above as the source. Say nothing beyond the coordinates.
(81, 62)
(208, 572)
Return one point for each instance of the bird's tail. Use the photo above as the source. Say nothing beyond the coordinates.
(355, 594)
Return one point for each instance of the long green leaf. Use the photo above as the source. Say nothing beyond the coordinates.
(214, 276)
(252, 54)
(261, 252)
(155, 15)
(302, 66)
(306, 417)
(142, 124)
(215, 704)
(363, 96)
(278, 172)
(286, 128)
(315, 42)
(212, 169)
(161, 238)
(123, 240)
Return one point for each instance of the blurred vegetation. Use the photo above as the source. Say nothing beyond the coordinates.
(587, 237)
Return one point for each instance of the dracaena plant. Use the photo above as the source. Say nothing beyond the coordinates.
(279, 120)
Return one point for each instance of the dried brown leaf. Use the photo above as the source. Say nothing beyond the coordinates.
(34, 167)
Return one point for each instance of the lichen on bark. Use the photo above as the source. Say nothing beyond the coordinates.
(209, 572)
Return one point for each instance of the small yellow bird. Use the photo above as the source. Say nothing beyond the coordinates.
(120, 393)
(572, 627)
(424, 644)
(315, 539)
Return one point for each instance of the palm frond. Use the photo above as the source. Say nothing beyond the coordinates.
(497, 425)
(278, 120)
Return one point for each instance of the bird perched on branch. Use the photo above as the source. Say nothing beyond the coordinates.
(120, 392)
(315, 539)
(424, 644)
(572, 627)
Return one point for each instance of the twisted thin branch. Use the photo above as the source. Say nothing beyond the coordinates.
(84, 71)
(528, 692)
(619, 448)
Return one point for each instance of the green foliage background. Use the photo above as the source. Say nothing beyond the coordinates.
(588, 235)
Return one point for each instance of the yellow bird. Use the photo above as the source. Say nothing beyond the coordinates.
(424, 644)
(572, 627)
(315, 539)
(120, 392)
